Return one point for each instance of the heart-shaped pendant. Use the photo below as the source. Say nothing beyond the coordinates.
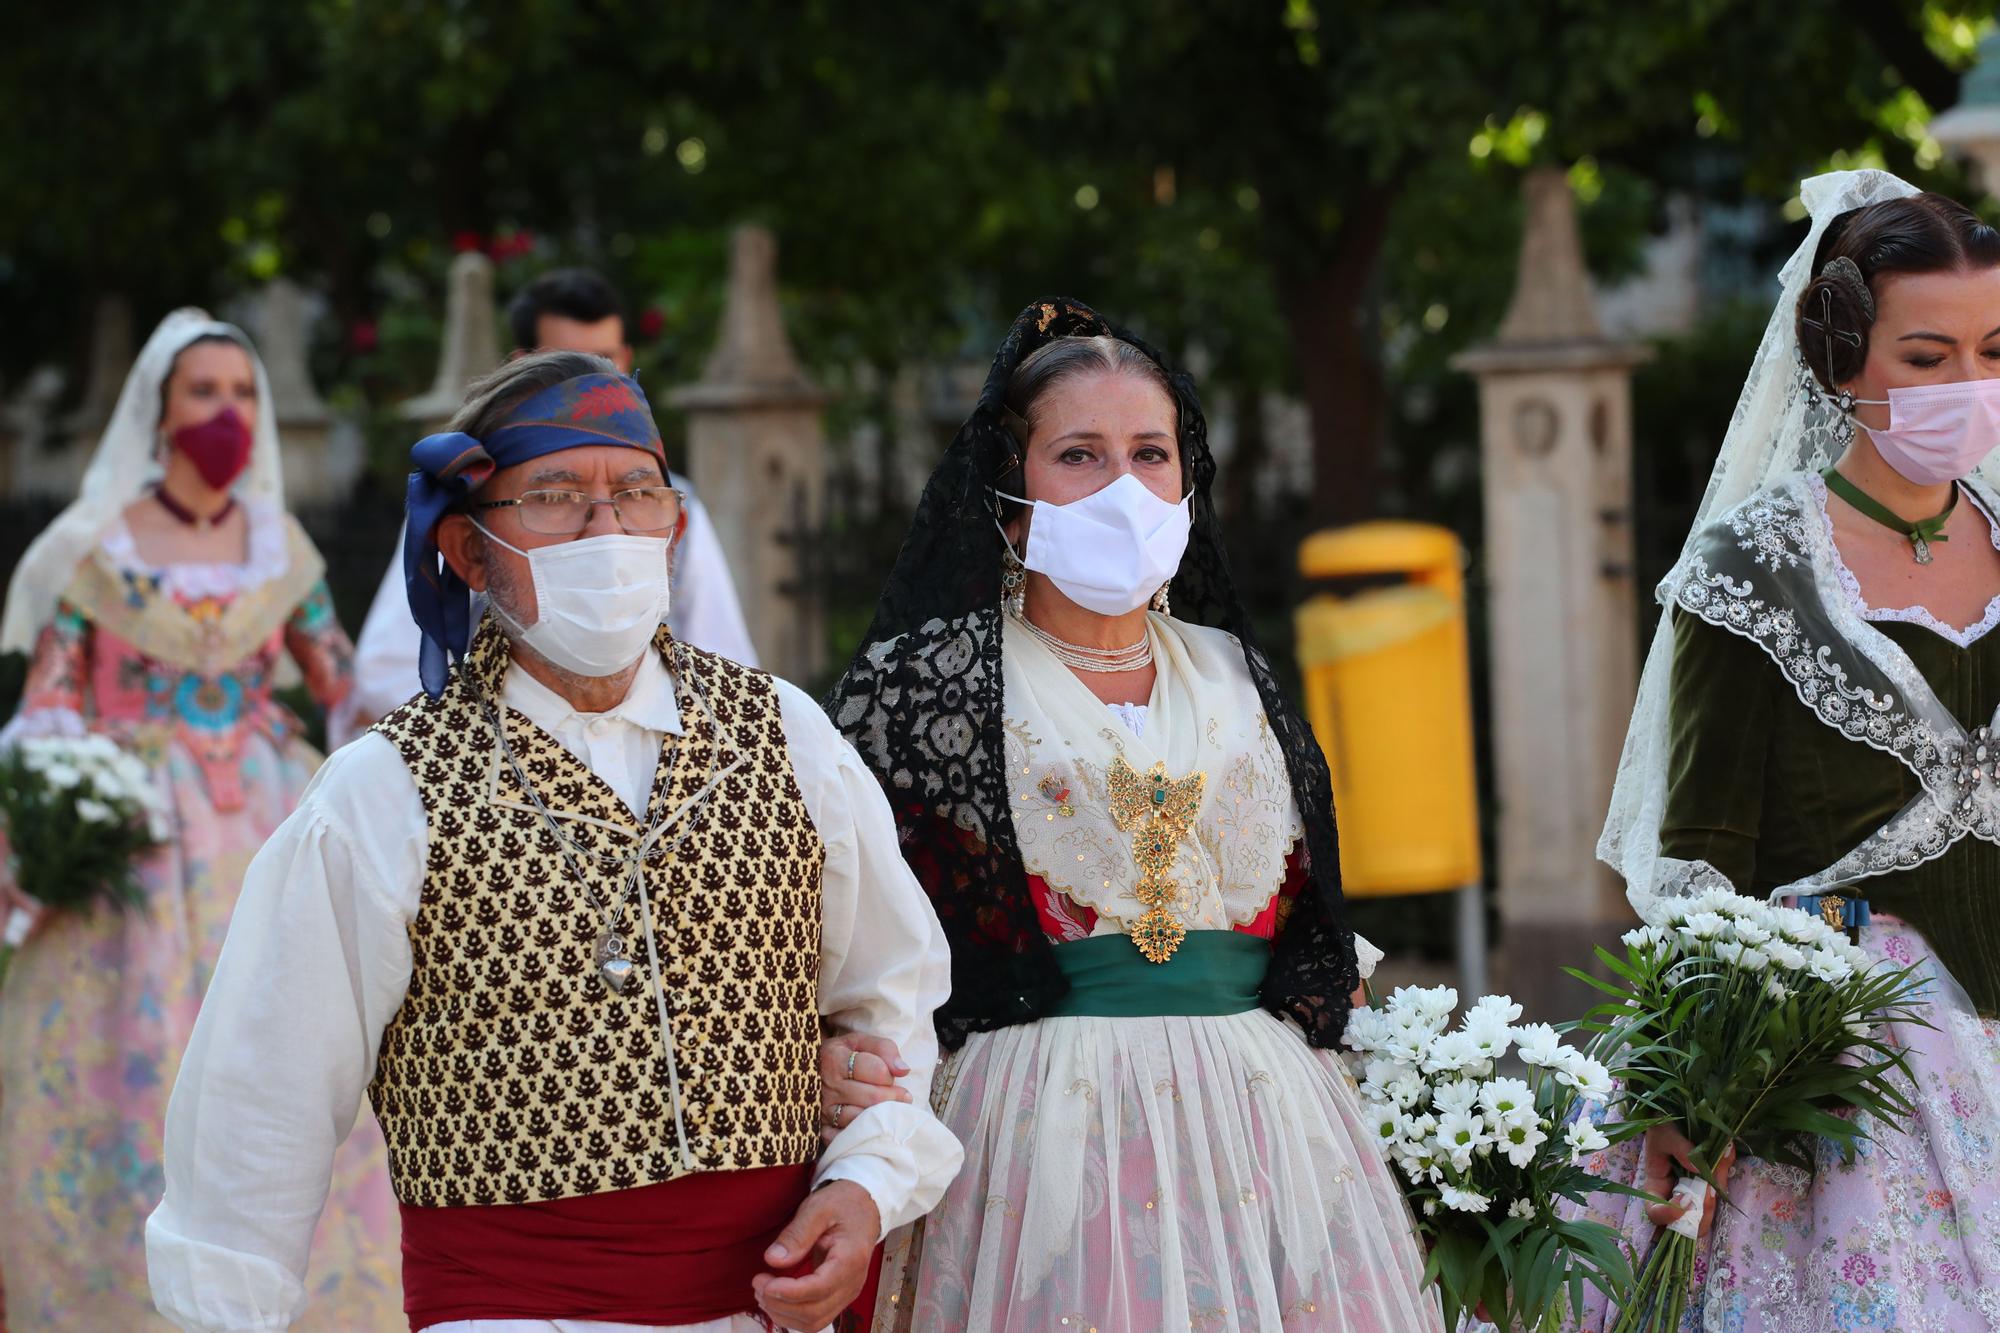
(617, 974)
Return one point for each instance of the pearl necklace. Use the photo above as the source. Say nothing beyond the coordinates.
(1133, 657)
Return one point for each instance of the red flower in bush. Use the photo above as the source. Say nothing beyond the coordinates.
(363, 335)
(651, 321)
(463, 242)
(511, 244)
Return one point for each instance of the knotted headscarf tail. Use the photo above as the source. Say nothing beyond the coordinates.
(590, 409)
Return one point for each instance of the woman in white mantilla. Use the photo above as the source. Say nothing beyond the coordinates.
(1815, 723)
(161, 609)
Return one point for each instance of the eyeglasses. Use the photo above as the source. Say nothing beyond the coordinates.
(566, 513)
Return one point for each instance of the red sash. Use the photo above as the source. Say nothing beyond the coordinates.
(682, 1252)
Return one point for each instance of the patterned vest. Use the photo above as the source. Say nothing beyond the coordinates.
(512, 1074)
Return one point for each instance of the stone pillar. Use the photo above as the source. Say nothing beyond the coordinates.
(283, 320)
(471, 342)
(1556, 451)
(25, 461)
(111, 357)
(757, 454)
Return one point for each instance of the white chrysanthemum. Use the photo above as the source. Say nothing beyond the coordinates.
(1751, 933)
(1753, 959)
(96, 812)
(1366, 1030)
(1521, 1208)
(1777, 990)
(1591, 1080)
(1490, 1035)
(1729, 951)
(1583, 1139)
(63, 775)
(1459, 1094)
(1538, 1045)
(1377, 1074)
(1703, 926)
(1452, 1052)
(1519, 1140)
(1419, 1130)
(1434, 1002)
(1387, 1122)
(1786, 955)
(1430, 1207)
(1460, 1132)
(1406, 1091)
(1644, 938)
(1465, 1201)
(1830, 967)
(1491, 1007)
(1504, 1095)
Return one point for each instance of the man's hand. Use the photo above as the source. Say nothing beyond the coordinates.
(1668, 1156)
(836, 1228)
(856, 1072)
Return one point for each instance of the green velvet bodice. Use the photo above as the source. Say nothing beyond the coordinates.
(1767, 793)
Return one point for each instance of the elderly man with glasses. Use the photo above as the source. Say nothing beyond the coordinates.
(577, 919)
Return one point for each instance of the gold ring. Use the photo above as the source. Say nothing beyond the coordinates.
(852, 1056)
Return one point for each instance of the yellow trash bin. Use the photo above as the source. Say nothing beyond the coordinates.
(1388, 692)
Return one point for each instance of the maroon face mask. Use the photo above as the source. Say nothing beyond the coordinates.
(219, 447)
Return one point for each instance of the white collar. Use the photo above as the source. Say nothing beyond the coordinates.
(649, 704)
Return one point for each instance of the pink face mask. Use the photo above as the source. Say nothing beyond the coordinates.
(1938, 432)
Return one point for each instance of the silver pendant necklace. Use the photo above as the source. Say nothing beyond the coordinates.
(615, 968)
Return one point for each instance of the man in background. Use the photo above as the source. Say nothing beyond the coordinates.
(571, 310)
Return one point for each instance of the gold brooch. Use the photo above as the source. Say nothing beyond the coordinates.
(1158, 811)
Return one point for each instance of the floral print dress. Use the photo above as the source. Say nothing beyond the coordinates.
(178, 665)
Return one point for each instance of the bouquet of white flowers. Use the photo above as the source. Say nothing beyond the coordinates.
(1749, 1025)
(77, 814)
(1486, 1159)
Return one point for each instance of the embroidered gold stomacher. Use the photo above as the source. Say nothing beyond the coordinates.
(512, 1074)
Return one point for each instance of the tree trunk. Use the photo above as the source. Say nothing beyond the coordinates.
(1329, 306)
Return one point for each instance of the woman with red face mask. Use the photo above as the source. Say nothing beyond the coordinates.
(161, 609)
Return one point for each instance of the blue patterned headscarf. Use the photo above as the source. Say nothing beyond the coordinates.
(590, 409)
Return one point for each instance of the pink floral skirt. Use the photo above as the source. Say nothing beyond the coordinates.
(1905, 1239)
(94, 1015)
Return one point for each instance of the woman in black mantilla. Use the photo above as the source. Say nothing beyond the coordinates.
(1128, 834)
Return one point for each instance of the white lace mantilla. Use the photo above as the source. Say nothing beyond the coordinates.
(1909, 615)
(192, 582)
(1769, 571)
(1204, 716)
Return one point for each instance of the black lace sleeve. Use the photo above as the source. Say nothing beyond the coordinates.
(923, 710)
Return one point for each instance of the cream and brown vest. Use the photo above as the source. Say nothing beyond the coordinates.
(512, 1074)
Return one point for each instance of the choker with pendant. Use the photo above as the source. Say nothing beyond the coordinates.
(188, 516)
(1921, 532)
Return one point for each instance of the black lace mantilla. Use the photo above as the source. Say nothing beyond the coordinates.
(922, 703)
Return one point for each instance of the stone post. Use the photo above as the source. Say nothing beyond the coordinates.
(757, 454)
(313, 475)
(111, 357)
(1556, 453)
(471, 342)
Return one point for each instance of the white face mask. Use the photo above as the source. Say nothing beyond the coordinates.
(1112, 550)
(600, 600)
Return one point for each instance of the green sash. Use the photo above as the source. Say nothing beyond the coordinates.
(1213, 973)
